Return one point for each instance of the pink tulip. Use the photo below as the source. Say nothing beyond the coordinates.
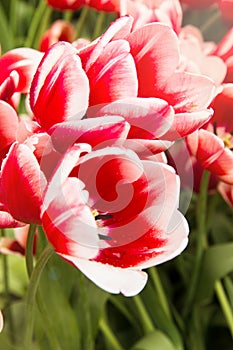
(7, 220)
(58, 31)
(115, 216)
(101, 5)
(97, 132)
(149, 120)
(66, 4)
(226, 8)
(60, 88)
(212, 146)
(1, 321)
(21, 183)
(147, 11)
(22, 60)
(196, 4)
(8, 127)
(124, 64)
(197, 57)
(16, 245)
(225, 51)
(226, 192)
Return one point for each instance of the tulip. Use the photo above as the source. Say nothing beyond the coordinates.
(115, 215)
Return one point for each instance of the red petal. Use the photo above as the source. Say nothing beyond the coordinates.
(150, 116)
(66, 4)
(60, 87)
(155, 49)
(21, 184)
(117, 30)
(97, 132)
(187, 92)
(113, 76)
(209, 149)
(186, 123)
(8, 127)
(22, 60)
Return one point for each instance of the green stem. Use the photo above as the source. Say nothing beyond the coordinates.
(125, 311)
(49, 330)
(81, 22)
(67, 15)
(7, 292)
(225, 305)
(31, 293)
(208, 24)
(109, 335)
(13, 16)
(36, 20)
(88, 340)
(212, 208)
(99, 24)
(200, 239)
(44, 23)
(29, 249)
(161, 295)
(147, 323)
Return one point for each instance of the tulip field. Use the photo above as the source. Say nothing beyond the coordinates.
(116, 175)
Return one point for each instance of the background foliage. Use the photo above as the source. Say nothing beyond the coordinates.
(175, 310)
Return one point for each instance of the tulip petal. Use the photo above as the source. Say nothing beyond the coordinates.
(9, 246)
(146, 116)
(113, 76)
(157, 232)
(112, 279)
(1, 322)
(24, 61)
(7, 220)
(97, 132)
(187, 92)
(21, 184)
(67, 217)
(155, 50)
(226, 192)
(8, 126)
(209, 149)
(186, 123)
(117, 30)
(60, 87)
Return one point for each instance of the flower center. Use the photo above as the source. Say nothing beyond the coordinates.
(99, 218)
(226, 136)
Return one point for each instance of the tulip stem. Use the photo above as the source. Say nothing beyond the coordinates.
(35, 23)
(200, 239)
(31, 293)
(48, 323)
(161, 295)
(147, 323)
(88, 339)
(109, 335)
(99, 24)
(225, 305)
(7, 292)
(68, 15)
(29, 249)
(13, 15)
(208, 24)
(81, 21)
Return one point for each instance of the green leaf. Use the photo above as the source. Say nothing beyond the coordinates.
(160, 319)
(55, 288)
(154, 341)
(6, 36)
(217, 262)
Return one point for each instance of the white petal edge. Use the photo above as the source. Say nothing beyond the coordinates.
(110, 278)
(1, 321)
